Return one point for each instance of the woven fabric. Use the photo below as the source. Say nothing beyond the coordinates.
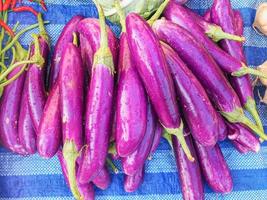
(33, 178)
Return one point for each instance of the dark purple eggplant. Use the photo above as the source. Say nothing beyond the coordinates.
(132, 183)
(102, 180)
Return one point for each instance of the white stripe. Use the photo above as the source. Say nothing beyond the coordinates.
(162, 161)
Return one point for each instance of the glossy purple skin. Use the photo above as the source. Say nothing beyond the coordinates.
(239, 23)
(86, 190)
(157, 136)
(214, 168)
(223, 131)
(200, 63)
(27, 135)
(244, 137)
(102, 180)
(98, 109)
(221, 14)
(178, 14)
(36, 85)
(49, 133)
(201, 117)
(90, 29)
(189, 172)
(132, 163)
(10, 104)
(207, 16)
(239, 147)
(131, 104)
(87, 53)
(152, 67)
(65, 37)
(71, 79)
(132, 183)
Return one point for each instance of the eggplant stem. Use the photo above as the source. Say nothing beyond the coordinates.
(238, 116)
(42, 30)
(70, 155)
(112, 166)
(15, 39)
(121, 14)
(217, 34)
(179, 133)
(250, 106)
(112, 149)
(75, 39)
(168, 137)
(244, 70)
(158, 12)
(37, 52)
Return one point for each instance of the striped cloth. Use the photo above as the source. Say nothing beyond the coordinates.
(33, 178)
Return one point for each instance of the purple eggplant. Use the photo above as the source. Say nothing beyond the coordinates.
(239, 24)
(132, 183)
(87, 53)
(222, 133)
(89, 28)
(239, 147)
(179, 15)
(49, 133)
(102, 180)
(198, 59)
(27, 135)
(134, 162)
(99, 104)
(36, 85)
(151, 65)
(156, 140)
(199, 113)
(86, 190)
(71, 80)
(214, 31)
(64, 38)
(222, 14)
(214, 168)
(189, 172)
(207, 16)
(131, 104)
(244, 137)
(10, 104)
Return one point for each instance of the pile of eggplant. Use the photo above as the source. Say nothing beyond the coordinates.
(182, 77)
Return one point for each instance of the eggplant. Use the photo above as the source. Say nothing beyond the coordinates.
(207, 16)
(157, 136)
(132, 183)
(200, 62)
(102, 180)
(65, 37)
(152, 68)
(199, 113)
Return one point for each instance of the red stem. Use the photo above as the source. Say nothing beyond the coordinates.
(25, 9)
(7, 28)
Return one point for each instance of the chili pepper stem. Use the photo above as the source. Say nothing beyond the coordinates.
(179, 133)
(217, 34)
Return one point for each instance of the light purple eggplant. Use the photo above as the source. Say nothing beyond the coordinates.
(87, 53)
(189, 172)
(212, 30)
(132, 183)
(36, 84)
(179, 15)
(134, 162)
(71, 80)
(156, 140)
(49, 137)
(244, 137)
(239, 147)
(102, 180)
(10, 104)
(201, 117)
(89, 28)
(200, 62)
(222, 14)
(151, 65)
(64, 38)
(222, 133)
(131, 104)
(214, 168)
(86, 190)
(98, 108)
(27, 135)
(207, 16)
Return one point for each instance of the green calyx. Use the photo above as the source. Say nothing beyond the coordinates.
(238, 116)
(37, 57)
(70, 155)
(168, 137)
(216, 34)
(251, 107)
(244, 70)
(158, 12)
(179, 133)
